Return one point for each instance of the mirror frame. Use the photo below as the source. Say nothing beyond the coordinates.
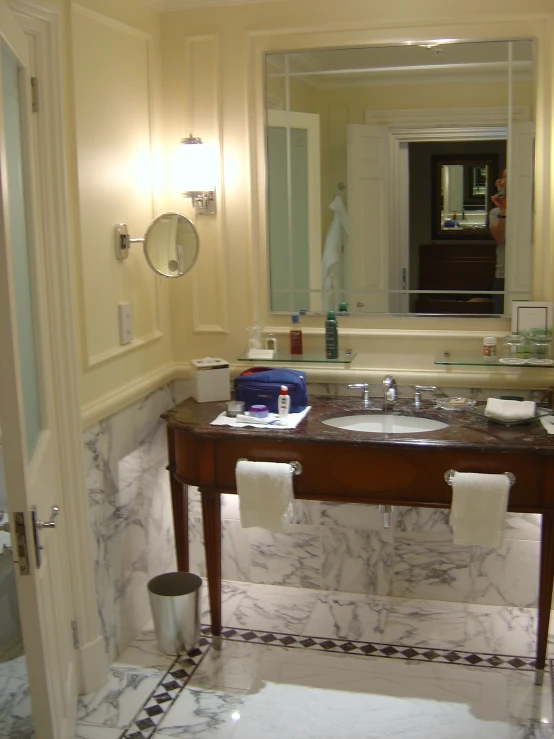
(145, 243)
(438, 160)
(479, 29)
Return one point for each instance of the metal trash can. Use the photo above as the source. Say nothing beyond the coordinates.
(175, 603)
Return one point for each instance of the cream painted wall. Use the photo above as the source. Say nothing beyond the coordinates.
(138, 81)
(338, 107)
(213, 308)
(115, 70)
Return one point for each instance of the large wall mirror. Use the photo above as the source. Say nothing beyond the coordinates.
(383, 167)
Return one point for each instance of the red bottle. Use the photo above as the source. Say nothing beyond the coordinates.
(295, 335)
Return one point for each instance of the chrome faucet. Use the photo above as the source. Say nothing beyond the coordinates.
(418, 389)
(389, 386)
(362, 386)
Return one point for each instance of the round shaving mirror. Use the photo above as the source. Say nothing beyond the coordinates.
(171, 245)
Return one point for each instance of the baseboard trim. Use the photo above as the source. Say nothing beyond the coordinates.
(92, 666)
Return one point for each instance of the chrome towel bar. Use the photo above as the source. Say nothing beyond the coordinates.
(449, 475)
(296, 466)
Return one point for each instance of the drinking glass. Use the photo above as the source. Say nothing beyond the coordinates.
(514, 346)
(541, 345)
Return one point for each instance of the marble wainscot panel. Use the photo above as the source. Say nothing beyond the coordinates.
(331, 547)
(343, 547)
(130, 512)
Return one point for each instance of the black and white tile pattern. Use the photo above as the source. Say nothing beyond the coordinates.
(169, 688)
(367, 649)
(152, 695)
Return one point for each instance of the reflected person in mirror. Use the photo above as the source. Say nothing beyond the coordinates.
(497, 227)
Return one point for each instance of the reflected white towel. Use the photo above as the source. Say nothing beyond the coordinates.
(265, 494)
(332, 261)
(479, 505)
(510, 410)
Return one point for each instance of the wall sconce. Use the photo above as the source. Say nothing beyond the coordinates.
(197, 173)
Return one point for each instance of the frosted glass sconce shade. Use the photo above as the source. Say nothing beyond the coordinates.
(197, 175)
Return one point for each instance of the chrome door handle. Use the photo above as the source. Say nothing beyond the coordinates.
(38, 526)
(49, 524)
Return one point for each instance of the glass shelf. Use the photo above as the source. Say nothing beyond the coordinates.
(477, 361)
(312, 357)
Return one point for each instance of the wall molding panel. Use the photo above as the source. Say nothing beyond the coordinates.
(120, 351)
(203, 95)
(120, 183)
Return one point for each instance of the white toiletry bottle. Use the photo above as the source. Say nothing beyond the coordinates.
(283, 403)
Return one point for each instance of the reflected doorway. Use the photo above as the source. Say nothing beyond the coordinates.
(452, 249)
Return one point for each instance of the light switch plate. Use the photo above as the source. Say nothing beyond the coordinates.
(126, 333)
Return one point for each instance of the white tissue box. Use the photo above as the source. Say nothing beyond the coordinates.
(210, 379)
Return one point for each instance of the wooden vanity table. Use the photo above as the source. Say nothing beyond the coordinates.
(353, 467)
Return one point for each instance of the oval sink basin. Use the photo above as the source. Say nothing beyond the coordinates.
(381, 424)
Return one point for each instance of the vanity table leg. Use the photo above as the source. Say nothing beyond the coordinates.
(211, 516)
(546, 578)
(180, 505)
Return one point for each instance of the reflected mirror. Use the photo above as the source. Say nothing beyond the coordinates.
(171, 245)
(461, 190)
(381, 166)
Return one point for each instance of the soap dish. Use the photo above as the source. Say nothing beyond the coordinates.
(456, 404)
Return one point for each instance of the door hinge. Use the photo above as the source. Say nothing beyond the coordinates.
(34, 94)
(75, 630)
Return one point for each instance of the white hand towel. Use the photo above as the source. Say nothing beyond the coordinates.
(265, 494)
(290, 422)
(478, 512)
(510, 410)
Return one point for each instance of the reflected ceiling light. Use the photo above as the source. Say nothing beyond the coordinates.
(437, 42)
(197, 175)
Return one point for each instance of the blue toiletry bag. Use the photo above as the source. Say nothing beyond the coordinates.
(262, 385)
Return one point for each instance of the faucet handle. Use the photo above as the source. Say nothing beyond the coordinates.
(361, 386)
(389, 386)
(418, 389)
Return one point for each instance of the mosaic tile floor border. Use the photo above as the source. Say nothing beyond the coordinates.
(166, 692)
(367, 649)
(148, 719)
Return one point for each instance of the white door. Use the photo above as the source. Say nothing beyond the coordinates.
(368, 201)
(32, 460)
(294, 214)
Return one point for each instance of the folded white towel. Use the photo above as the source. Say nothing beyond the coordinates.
(290, 422)
(510, 410)
(478, 512)
(265, 494)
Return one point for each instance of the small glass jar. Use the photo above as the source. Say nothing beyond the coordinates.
(255, 336)
(234, 407)
(258, 411)
(514, 347)
(271, 342)
(489, 347)
(541, 346)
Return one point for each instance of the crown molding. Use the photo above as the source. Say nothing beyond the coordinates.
(172, 5)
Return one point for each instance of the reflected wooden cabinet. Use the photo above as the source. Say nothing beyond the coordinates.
(455, 267)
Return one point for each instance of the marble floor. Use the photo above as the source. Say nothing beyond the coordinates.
(302, 664)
